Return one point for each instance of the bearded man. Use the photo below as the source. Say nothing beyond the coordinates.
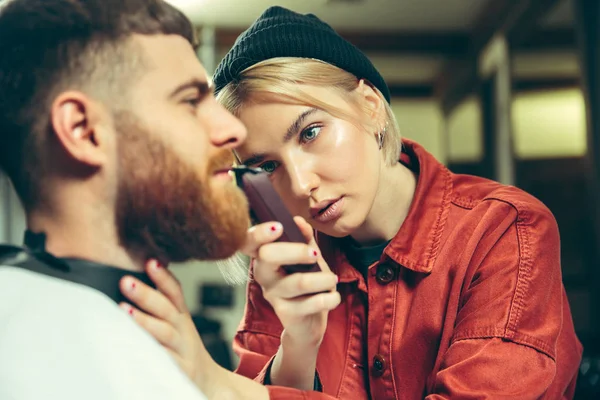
(119, 154)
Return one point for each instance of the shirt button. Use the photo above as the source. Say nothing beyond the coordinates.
(378, 365)
(385, 274)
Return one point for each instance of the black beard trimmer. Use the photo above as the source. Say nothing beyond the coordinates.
(267, 206)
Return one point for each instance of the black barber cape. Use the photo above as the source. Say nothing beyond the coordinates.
(33, 257)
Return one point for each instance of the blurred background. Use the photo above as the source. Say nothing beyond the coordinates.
(505, 89)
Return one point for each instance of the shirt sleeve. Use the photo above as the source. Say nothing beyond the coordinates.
(256, 365)
(255, 360)
(257, 342)
(492, 369)
(258, 336)
(80, 345)
(283, 393)
(511, 318)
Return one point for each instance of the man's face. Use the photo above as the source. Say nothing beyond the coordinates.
(174, 200)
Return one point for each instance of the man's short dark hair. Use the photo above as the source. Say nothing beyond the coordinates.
(48, 46)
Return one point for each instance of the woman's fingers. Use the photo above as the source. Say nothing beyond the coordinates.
(301, 307)
(162, 331)
(259, 235)
(267, 266)
(148, 299)
(302, 284)
(309, 235)
(167, 284)
(306, 229)
(288, 253)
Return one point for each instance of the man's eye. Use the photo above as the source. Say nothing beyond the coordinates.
(310, 134)
(269, 166)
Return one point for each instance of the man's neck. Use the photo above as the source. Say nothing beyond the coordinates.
(83, 236)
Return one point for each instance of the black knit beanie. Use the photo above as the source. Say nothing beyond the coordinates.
(279, 32)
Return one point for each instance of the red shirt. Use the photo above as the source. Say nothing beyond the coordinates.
(466, 302)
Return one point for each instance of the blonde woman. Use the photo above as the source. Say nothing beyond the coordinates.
(449, 285)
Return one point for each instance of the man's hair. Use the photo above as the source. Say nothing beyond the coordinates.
(49, 46)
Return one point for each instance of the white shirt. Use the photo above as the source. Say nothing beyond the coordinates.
(65, 341)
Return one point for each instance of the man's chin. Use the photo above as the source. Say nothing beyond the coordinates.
(228, 226)
(212, 249)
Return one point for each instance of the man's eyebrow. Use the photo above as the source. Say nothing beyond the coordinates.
(202, 86)
(293, 129)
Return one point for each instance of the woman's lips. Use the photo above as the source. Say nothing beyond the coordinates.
(327, 211)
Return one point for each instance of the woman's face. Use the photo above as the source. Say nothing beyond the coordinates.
(326, 169)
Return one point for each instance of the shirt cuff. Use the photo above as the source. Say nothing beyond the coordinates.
(266, 377)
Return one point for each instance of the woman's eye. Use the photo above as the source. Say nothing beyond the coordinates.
(192, 101)
(310, 134)
(268, 166)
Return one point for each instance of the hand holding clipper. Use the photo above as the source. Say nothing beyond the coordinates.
(267, 206)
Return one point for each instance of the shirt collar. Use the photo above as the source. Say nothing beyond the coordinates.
(417, 243)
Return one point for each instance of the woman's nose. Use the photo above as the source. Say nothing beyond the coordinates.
(303, 180)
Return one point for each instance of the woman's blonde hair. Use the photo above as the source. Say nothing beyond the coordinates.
(283, 78)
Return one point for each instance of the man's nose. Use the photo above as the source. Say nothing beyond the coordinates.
(227, 131)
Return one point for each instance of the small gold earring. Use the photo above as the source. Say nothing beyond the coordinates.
(381, 136)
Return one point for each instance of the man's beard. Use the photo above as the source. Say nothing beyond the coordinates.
(167, 210)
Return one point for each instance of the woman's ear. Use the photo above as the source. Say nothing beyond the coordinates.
(371, 99)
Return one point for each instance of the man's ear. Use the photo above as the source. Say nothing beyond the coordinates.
(371, 99)
(76, 121)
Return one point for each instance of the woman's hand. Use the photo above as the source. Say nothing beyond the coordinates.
(162, 312)
(301, 301)
(166, 317)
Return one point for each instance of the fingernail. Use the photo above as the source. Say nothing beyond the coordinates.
(157, 265)
(132, 285)
(275, 228)
(313, 252)
(127, 308)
